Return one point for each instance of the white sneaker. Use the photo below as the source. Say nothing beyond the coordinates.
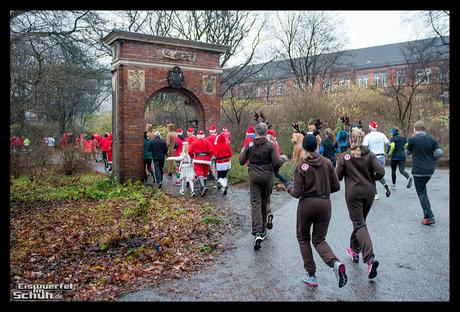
(393, 186)
(182, 192)
(376, 196)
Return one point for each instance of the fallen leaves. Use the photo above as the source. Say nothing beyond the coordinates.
(60, 241)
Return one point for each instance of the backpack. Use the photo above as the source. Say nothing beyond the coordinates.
(343, 136)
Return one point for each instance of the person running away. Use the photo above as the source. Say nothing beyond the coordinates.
(376, 142)
(361, 169)
(397, 155)
(425, 152)
(187, 174)
(314, 180)
(262, 160)
(222, 154)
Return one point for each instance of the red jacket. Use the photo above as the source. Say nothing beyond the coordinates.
(106, 144)
(277, 147)
(201, 151)
(247, 140)
(212, 139)
(178, 150)
(98, 139)
(226, 134)
(88, 146)
(190, 139)
(222, 150)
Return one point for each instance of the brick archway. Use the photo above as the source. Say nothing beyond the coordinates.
(140, 68)
(196, 104)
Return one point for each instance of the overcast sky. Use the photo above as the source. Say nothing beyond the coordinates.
(371, 28)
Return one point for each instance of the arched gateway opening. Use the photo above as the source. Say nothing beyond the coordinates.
(146, 67)
(180, 107)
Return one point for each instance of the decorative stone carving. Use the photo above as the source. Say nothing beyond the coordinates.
(176, 78)
(209, 84)
(179, 55)
(136, 80)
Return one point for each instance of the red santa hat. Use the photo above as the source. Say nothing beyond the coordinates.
(212, 129)
(271, 132)
(224, 129)
(200, 134)
(190, 131)
(179, 131)
(250, 130)
(373, 125)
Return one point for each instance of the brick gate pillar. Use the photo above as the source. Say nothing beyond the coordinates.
(143, 65)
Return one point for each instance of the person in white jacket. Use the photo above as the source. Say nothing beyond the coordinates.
(187, 173)
(376, 142)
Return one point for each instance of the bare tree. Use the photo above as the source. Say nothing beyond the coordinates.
(310, 42)
(54, 66)
(407, 83)
(439, 23)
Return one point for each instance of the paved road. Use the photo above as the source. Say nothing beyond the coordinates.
(414, 259)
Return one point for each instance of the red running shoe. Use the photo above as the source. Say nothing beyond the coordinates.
(428, 221)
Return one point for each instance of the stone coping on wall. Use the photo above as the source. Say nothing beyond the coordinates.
(116, 34)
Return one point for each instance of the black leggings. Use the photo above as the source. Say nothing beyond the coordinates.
(401, 164)
(222, 174)
(279, 176)
(104, 158)
(148, 164)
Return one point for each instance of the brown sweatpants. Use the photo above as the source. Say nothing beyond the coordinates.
(316, 212)
(261, 190)
(360, 240)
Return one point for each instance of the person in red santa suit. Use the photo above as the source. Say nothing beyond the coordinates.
(212, 139)
(190, 136)
(250, 135)
(227, 135)
(178, 144)
(222, 154)
(201, 151)
(212, 135)
(109, 153)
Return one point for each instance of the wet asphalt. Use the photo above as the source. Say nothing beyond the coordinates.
(414, 258)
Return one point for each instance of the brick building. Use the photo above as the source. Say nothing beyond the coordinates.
(378, 67)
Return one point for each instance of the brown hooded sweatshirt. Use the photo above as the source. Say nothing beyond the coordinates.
(314, 175)
(360, 173)
(262, 157)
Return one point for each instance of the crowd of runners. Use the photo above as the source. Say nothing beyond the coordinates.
(192, 158)
(92, 146)
(349, 155)
(321, 160)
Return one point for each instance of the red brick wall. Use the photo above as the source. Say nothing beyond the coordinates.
(132, 104)
(153, 52)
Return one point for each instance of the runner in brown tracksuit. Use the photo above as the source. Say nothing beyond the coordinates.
(262, 158)
(314, 180)
(361, 169)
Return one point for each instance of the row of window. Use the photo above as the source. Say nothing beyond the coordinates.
(269, 89)
(380, 80)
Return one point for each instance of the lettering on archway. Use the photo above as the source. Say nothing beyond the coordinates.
(144, 66)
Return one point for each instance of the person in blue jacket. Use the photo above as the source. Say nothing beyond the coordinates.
(329, 146)
(343, 139)
(397, 154)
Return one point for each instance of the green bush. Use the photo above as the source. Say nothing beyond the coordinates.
(237, 174)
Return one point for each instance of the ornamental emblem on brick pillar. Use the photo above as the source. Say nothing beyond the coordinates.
(209, 84)
(176, 78)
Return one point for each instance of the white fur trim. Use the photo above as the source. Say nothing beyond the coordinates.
(200, 136)
(200, 161)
